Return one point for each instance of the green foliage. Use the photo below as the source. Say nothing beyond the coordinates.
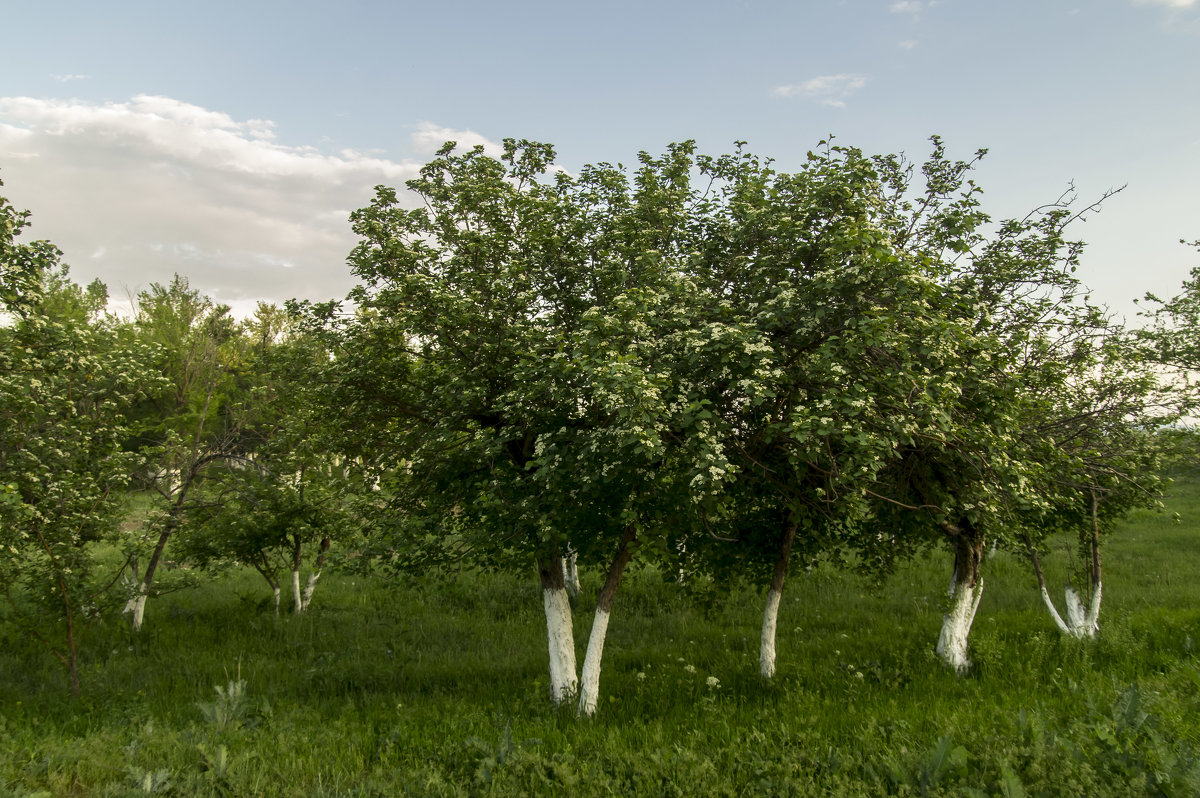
(67, 380)
(229, 710)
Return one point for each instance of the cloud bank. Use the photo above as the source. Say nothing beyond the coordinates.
(134, 192)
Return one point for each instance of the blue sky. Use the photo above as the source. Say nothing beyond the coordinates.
(229, 141)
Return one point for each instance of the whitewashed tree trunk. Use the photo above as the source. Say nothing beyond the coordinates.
(137, 606)
(275, 591)
(1081, 622)
(589, 692)
(560, 635)
(956, 626)
(560, 632)
(966, 589)
(589, 687)
(297, 596)
(306, 597)
(1058, 621)
(766, 651)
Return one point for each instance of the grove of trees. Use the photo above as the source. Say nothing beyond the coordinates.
(701, 363)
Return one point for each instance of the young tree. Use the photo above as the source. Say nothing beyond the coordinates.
(1032, 334)
(286, 492)
(1100, 430)
(185, 430)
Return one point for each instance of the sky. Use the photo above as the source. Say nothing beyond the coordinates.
(229, 141)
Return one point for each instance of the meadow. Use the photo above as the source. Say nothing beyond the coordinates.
(438, 686)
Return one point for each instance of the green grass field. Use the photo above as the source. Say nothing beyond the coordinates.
(439, 687)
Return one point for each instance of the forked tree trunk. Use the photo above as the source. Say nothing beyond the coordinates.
(966, 588)
(589, 693)
(766, 655)
(1081, 622)
(560, 633)
(306, 598)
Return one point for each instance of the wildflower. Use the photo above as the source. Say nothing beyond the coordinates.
(690, 668)
(713, 682)
(641, 676)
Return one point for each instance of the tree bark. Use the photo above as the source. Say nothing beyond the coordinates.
(297, 596)
(560, 634)
(1037, 569)
(589, 693)
(1081, 621)
(570, 567)
(766, 656)
(965, 593)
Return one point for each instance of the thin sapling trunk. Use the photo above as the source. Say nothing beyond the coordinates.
(570, 568)
(297, 596)
(172, 522)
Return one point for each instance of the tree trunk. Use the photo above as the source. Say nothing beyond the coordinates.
(1093, 615)
(560, 634)
(766, 656)
(172, 522)
(570, 567)
(266, 574)
(139, 601)
(589, 693)
(1049, 602)
(965, 592)
(1081, 622)
(316, 574)
(297, 596)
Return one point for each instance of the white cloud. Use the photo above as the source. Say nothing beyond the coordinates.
(429, 138)
(906, 7)
(908, 44)
(1167, 3)
(68, 78)
(827, 89)
(133, 192)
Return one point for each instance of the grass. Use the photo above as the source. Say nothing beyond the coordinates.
(439, 687)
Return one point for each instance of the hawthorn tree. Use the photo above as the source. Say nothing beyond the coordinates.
(815, 354)
(66, 382)
(1099, 428)
(506, 367)
(1032, 338)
